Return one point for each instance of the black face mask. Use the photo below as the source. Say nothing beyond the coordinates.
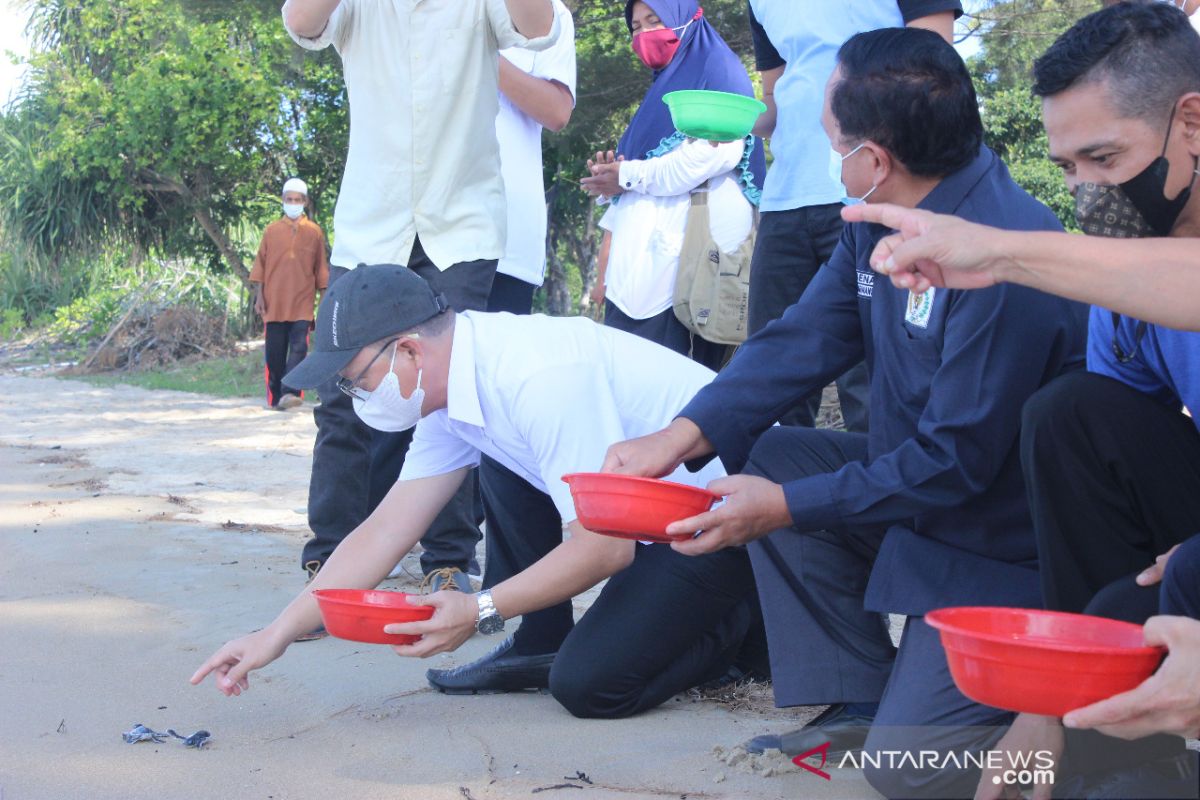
(1136, 208)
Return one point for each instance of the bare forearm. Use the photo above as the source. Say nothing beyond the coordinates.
(941, 23)
(602, 258)
(308, 18)
(549, 102)
(765, 125)
(690, 441)
(532, 18)
(365, 557)
(575, 566)
(1156, 280)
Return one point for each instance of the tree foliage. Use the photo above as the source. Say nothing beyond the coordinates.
(167, 126)
(1013, 33)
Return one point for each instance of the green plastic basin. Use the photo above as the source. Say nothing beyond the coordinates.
(716, 116)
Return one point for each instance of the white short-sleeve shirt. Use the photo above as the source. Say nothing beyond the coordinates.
(422, 78)
(546, 396)
(520, 138)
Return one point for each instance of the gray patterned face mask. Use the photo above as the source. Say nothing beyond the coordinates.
(1103, 209)
(1136, 208)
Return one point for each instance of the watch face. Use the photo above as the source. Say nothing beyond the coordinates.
(493, 623)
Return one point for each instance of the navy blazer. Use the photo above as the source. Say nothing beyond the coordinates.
(950, 372)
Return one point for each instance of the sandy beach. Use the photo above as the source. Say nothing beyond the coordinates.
(143, 529)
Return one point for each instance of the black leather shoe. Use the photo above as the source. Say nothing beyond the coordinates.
(845, 732)
(501, 670)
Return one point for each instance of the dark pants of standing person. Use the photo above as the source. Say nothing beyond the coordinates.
(791, 247)
(1113, 478)
(666, 329)
(511, 294)
(826, 647)
(285, 346)
(354, 466)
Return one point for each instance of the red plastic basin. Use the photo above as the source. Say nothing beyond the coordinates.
(1041, 662)
(635, 508)
(360, 614)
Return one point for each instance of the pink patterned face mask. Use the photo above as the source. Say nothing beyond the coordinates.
(656, 48)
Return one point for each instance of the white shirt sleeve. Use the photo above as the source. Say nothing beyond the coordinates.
(609, 221)
(681, 170)
(507, 34)
(436, 450)
(339, 19)
(557, 63)
(568, 417)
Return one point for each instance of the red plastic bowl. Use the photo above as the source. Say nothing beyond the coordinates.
(360, 614)
(1041, 662)
(635, 508)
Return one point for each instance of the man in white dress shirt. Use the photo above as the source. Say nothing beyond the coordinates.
(544, 396)
(422, 187)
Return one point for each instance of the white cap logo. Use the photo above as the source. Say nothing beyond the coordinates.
(336, 303)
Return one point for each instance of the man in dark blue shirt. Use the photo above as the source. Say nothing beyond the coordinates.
(795, 44)
(929, 508)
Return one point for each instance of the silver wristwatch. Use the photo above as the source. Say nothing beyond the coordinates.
(489, 620)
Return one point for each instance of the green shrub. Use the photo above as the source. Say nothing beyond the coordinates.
(12, 322)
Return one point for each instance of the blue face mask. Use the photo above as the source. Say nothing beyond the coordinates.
(835, 172)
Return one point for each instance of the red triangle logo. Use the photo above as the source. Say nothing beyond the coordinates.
(823, 749)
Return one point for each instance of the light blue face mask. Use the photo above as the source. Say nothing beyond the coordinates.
(835, 172)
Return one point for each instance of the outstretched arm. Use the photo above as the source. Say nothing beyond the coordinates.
(361, 561)
(1156, 280)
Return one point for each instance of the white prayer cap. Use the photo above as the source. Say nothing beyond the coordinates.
(295, 185)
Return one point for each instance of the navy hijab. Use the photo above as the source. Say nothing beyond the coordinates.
(703, 61)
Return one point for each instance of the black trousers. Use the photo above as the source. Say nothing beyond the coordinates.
(523, 525)
(1113, 478)
(663, 625)
(827, 648)
(511, 294)
(355, 466)
(791, 247)
(285, 346)
(1098, 766)
(666, 329)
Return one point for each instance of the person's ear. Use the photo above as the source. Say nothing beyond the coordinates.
(410, 348)
(1188, 111)
(882, 164)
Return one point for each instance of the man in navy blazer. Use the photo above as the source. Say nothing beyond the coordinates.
(926, 510)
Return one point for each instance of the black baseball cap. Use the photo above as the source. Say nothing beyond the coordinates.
(363, 306)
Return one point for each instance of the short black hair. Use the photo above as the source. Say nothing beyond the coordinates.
(1147, 53)
(908, 90)
(435, 326)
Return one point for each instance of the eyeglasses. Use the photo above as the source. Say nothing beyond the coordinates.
(350, 387)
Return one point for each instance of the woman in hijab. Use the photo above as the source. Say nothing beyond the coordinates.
(656, 169)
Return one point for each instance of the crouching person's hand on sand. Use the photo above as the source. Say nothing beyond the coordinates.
(233, 663)
(361, 561)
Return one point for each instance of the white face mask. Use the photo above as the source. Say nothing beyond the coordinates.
(835, 172)
(293, 210)
(385, 409)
